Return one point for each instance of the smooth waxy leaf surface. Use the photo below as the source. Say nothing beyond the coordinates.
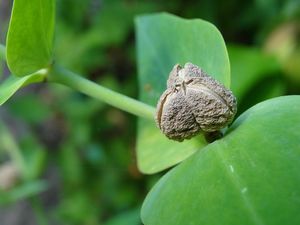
(162, 41)
(251, 176)
(30, 36)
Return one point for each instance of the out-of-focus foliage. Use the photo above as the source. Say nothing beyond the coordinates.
(86, 150)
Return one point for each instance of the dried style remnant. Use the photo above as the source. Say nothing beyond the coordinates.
(193, 102)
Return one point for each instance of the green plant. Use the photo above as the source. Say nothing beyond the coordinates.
(250, 176)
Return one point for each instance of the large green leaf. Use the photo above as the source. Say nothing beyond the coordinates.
(248, 67)
(30, 36)
(251, 176)
(162, 41)
(254, 75)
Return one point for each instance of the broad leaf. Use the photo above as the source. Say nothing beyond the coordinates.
(13, 84)
(255, 76)
(248, 67)
(251, 176)
(30, 36)
(162, 41)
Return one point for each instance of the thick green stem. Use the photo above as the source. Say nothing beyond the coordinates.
(79, 83)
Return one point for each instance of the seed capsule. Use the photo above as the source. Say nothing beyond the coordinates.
(193, 102)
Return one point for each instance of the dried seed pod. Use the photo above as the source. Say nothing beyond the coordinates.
(193, 102)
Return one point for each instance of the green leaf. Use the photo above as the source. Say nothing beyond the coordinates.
(162, 41)
(30, 36)
(251, 176)
(13, 84)
(255, 76)
(248, 67)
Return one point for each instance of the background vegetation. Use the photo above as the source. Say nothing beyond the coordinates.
(80, 152)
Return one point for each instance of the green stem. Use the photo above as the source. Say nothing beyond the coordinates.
(92, 89)
(79, 83)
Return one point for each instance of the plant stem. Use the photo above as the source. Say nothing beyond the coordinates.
(92, 89)
(83, 85)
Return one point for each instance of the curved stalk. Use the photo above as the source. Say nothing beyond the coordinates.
(92, 89)
(68, 78)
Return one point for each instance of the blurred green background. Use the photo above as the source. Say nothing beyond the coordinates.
(79, 154)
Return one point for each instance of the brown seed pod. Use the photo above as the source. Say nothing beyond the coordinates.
(193, 102)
